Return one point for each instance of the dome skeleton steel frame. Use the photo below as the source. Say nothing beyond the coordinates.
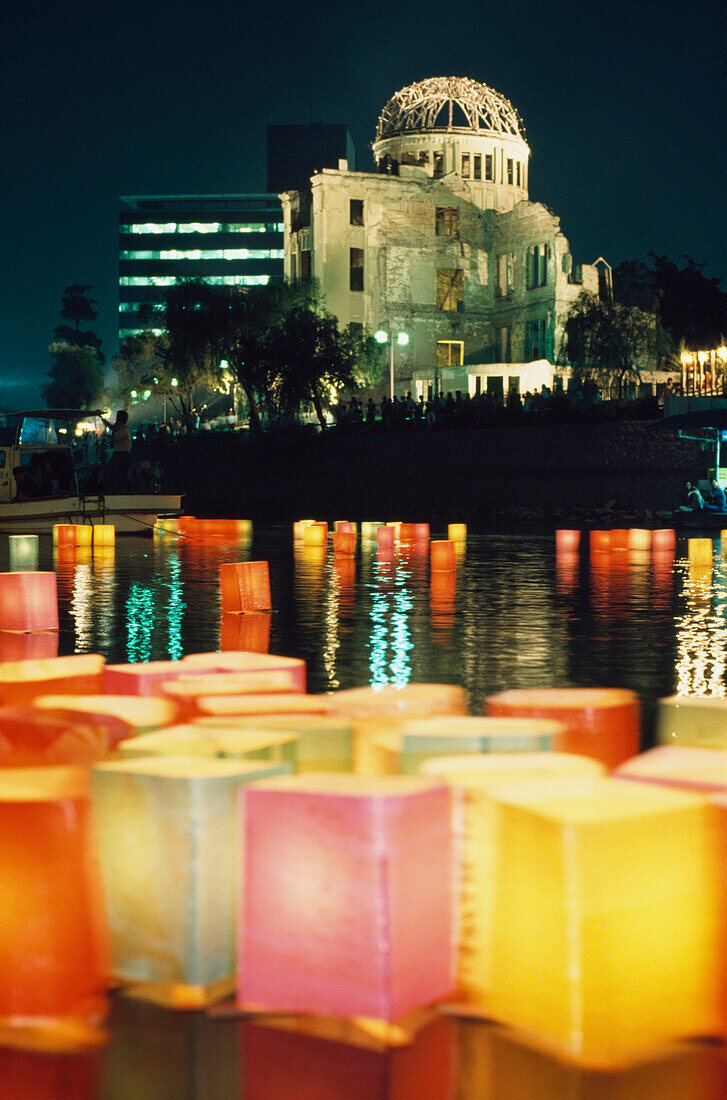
(418, 108)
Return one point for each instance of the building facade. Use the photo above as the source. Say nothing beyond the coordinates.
(228, 240)
(442, 244)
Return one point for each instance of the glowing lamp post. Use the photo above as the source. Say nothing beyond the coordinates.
(402, 339)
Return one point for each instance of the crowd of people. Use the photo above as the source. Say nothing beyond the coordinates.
(695, 501)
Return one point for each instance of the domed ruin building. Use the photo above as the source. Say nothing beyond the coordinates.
(443, 244)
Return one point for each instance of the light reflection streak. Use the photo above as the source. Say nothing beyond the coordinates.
(175, 607)
(701, 633)
(82, 607)
(139, 623)
(390, 638)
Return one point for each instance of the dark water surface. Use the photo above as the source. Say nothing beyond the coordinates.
(515, 614)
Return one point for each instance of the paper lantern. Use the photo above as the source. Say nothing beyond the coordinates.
(368, 530)
(477, 778)
(167, 525)
(325, 744)
(396, 528)
(406, 749)
(249, 632)
(600, 541)
(23, 551)
(53, 964)
(189, 692)
(299, 527)
(567, 540)
(167, 837)
(457, 532)
(244, 529)
(619, 539)
(145, 678)
(265, 672)
(693, 769)
(22, 681)
(283, 1063)
(104, 535)
(28, 601)
(385, 538)
(606, 917)
(272, 746)
(72, 534)
(699, 552)
(663, 538)
(35, 1075)
(345, 525)
(245, 586)
(688, 720)
(337, 876)
(120, 715)
(442, 555)
(344, 542)
(600, 722)
(279, 703)
(414, 532)
(38, 645)
(639, 539)
(315, 534)
(31, 737)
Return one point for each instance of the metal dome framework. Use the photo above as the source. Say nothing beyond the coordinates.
(452, 103)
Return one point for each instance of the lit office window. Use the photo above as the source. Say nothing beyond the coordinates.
(151, 227)
(206, 254)
(213, 280)
(198, 227)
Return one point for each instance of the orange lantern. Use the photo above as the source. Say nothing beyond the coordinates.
(119, 716)
(53, 965)
(344, 542)
(28, 601)
(600, 541)
(22, 681)
(250, 631)
(663, 539)
(619, 539)
(567, 540)
(322, 931)
(600, 722)
(442, 555)
(39, 645)
(245, 586)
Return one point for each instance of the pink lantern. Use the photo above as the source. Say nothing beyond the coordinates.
(28, 601)
(567, 540)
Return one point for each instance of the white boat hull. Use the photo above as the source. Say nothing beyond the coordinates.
(130, 513)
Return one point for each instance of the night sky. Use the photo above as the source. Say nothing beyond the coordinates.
(623, 104)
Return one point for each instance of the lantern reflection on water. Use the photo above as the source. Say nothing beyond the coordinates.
(442, 555)
(249, 632)
(338, 872)
(168, 846)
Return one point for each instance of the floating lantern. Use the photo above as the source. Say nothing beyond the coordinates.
(121, 716)
(272, 746)
(72, 534)
(22, 681)
(699, 552)
(250, 631)
(279, 703)
(167, 836)
(53, 966)
(28, 601)
(600, 541)
(600, 722)
(421, 532)
(414, 532)
(322, 930)
(442, 555)
(329, 1060)
(189, 692)
(368, 530)
(663, 538)
(167, 525)
(37, 646)
(703, 770)
(619, 539)
(299, 527)
(245, 586)
(145, 678)
(345, 525)
(268, 672)
(396, 527)
(639, 539)
(344, 542)
(244, 529)
(457, 532)
(385, 538)
(325, 744)
(567, 540)
(31, 736)
(689, 720)
(104, 535)
(23, 551)
(580, 879)
(477, 778)
(315, 534)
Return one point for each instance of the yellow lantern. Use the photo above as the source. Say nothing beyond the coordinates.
(168, 845)
(700, 552)
(272, 746)
(457, 532)
(325, 744)
(104, 535)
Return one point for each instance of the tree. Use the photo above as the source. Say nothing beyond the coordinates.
(76, 306)
(608, 343)
(188, 351)
(77, 378)
(691, 306)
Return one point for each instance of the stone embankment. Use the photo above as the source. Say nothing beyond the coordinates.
(547, 474)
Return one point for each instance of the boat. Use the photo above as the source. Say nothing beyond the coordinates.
(49, 475)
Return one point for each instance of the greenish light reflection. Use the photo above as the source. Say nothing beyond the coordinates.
(390, 638)
(139, 623)
(175, 607)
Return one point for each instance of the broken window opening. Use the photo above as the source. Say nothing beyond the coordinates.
(509, 170)
(447, 221)
(450, 353)
(438, 165)
(489, 167)
(517, 173)
(537, 265)
(450, 289)
(505, 266)
(477, 166)
(356, 269)
(356, 211)
(465, 166)
(305, 264)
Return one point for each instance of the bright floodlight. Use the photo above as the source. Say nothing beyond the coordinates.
(402, 338)
(381, 337)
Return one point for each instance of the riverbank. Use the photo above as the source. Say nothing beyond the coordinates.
(478, 476)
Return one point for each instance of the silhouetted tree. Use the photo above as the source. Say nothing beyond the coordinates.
(77, 307)
(691, 306)
(77, 378)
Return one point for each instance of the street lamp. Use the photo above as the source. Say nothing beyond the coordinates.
(402, 339)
